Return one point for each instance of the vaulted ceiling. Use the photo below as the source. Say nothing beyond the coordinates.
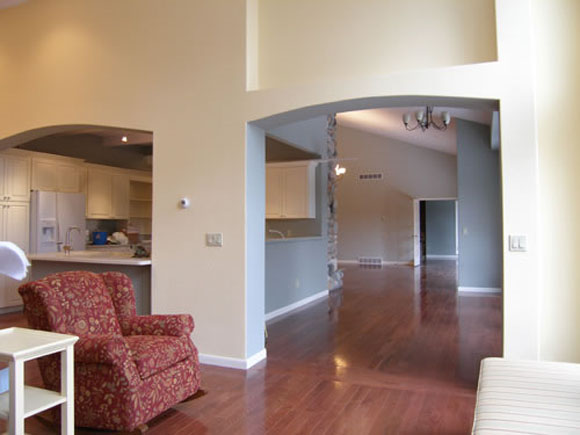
(388, 122)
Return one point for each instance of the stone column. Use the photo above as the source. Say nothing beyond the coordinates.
(334, 274)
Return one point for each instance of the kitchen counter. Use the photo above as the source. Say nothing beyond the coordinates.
(293, 239)
(98, 261)
(93, 257)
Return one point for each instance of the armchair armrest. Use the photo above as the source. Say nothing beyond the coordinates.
(174, 324)
(102, 349)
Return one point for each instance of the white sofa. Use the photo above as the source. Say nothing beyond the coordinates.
(527, 397)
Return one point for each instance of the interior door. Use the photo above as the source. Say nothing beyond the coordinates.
(416, 233)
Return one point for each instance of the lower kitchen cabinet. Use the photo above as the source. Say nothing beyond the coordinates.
(14, 227)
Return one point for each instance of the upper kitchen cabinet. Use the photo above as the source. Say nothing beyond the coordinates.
(291, 190)
(14, 177)
(108, 191)
(120, 197)
(57, 174)
(99, 192)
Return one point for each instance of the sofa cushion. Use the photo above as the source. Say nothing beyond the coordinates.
(154, 353)
(527, 397)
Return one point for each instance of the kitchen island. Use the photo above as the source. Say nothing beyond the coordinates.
(137, 269)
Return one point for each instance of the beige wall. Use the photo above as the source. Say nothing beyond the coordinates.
(375, 218)
(557, 32)
(377, 40)
(179, 69)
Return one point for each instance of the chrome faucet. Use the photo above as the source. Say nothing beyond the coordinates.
(277, 232)
(68, 239)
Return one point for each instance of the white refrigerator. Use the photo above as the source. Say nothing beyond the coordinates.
(51, 215)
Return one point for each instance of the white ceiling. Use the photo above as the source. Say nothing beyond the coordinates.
(388, 122)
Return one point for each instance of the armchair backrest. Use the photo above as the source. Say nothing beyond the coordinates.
(76, 303)
(122, 292)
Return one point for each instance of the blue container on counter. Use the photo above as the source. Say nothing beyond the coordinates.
(99, 237)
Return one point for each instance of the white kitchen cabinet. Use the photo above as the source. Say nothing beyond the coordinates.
(99, 190)
(56, 176)
(107, 193)
(14, 227)
(274, 192)
(120, 196)
(14, 177)
(291, 190)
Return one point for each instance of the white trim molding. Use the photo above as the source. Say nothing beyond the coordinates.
(233, 363)
(280, 311)
(441, 257)
(15, 309)
(479, 289)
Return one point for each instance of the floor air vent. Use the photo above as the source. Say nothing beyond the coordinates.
(370, 261)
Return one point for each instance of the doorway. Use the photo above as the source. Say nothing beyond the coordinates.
(435, 224)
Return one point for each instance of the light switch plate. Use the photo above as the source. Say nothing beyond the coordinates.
(214, 239)
(518, 243)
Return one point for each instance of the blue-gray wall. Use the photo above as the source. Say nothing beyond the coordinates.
(440, 227)
(479, 199)
(255, 252)
(297, 269)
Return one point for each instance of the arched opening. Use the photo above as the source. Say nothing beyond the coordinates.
(258, 131)
(81, 190)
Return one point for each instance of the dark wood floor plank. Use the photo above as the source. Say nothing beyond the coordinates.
(397, 351)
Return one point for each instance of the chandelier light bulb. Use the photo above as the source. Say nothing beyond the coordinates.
(446, 117)
(419, 115)
(406, 118)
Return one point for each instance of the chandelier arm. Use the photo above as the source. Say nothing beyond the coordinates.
(439, 127)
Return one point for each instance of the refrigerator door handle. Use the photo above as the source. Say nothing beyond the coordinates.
(58, 240)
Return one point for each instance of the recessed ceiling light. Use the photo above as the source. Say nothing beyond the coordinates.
(124, 139)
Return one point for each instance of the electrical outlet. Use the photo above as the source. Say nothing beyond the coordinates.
(214, 239)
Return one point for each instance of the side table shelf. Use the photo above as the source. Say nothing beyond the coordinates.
(35, 400)
(18, 345)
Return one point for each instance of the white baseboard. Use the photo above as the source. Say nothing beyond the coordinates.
(232, 363)
(14, 309)
(479, 290)
(280, 311)
(441, 257)
(384, 263)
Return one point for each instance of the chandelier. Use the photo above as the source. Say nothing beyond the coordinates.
(425, 120)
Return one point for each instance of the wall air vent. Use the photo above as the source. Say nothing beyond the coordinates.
(370, 261)
(371, 176)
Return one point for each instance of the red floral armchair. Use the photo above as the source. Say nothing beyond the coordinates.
(128, 368)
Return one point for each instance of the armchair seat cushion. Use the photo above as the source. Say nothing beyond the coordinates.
(154, 353)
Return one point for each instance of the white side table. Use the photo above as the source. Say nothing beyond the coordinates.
(18, 345)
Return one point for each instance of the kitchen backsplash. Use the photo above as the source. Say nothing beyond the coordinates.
(110, 226)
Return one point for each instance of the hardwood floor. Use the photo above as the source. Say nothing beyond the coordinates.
(396, 351)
